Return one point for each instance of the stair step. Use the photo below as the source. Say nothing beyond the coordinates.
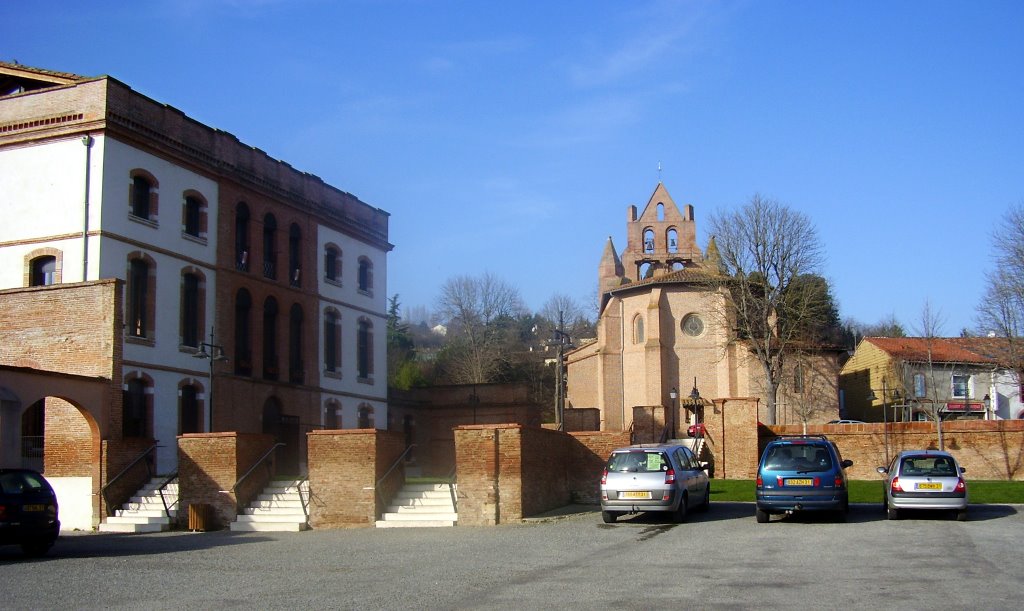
(132, 528)
(159, 513)
(134, 519)
(419, 524)
(423, 516)
(270, 517)
(269, 526)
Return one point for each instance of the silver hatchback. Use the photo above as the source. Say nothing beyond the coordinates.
(664, 477)
(924, 479)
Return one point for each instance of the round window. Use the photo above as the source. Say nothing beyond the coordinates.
(693, 325)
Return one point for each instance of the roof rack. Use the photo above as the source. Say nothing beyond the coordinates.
(801, 437)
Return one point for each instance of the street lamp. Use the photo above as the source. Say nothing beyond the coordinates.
(674, 394)
(987, 400)
(216, 354)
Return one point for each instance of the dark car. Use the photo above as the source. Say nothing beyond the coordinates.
(661, 477)
(28, 511)
(801, 473)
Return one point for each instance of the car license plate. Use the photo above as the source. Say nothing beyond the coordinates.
(798, 481)
(929, 486)
(636, 494)
(33, 507)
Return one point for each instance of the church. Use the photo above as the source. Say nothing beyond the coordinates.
(666, 342)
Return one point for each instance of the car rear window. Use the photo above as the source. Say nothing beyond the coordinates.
(798, 457)
(17, 482)
(927, 466)
(635, 462)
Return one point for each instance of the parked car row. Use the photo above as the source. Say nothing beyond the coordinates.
(796, 473)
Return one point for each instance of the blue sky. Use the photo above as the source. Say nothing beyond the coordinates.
(510, 137)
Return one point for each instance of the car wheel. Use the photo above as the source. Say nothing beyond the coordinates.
(35, 549)
(961, 515)
(761, 515)
(892, 513)
(609, 517)
(680, 513)
(706, 503)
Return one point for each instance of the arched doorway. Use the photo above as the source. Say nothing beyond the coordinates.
(284, 429)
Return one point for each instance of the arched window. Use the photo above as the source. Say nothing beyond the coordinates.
(269, 247)
(332, 415)
(648, 240)
(332, 263)
(364, 349)
(43, 271)
(332, 342)
(645, 270)
(191, 308)
(638, 329)
(672, 239)
(142, 195)
(242, 237)
(135, 419)
(365, 275)
(294, 255)
(270, 371)
(194, 215)
(661, 211)
(243, 333)
(190, 416)
(296, 373)
(141, 307)
(365, 417)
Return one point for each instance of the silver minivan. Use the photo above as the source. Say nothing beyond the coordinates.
(648, 477)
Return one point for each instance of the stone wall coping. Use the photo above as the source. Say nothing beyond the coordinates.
(209, 435)
(342, 432)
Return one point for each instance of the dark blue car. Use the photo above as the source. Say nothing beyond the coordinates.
(28, 511)
(801, 473)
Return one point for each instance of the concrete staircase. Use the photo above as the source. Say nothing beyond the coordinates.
(144, 512)
(281, 507)
(419, 505)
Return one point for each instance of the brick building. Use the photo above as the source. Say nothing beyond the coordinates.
(204, 247)
(665, 324)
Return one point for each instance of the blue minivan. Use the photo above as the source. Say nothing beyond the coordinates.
(801, 473)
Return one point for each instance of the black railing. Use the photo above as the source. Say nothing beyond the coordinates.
(149, 474)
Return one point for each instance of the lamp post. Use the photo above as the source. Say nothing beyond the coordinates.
(563, 340)
(474, 401)
(987, 401)
(216, 354)
(673, 394)
(885, 419)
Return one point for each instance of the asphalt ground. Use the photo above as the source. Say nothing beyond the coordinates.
(568, 559)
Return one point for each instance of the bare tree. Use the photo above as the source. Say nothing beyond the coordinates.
(765, 248)
(479, 312)
(1001, 310)
(573, 316)
(930, 330)
(814, 385)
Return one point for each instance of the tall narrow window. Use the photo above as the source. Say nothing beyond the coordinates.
(243, 333)
(270, 371)
(332, 268)
(672, 237)
(269, 247)
(920, 387)
(134, 421)
(332, 417)
(193, 214)
(331, 335)
(648, 241)
(365, 275)
(638, 330)
(294, 255)
(365, 417)
(189, 414)
(296, 375)
(138, 298)
(961, 386)
(364, 349)
(44, 270)
(142, 190)
(798, 379)
(242, 248)
(190, 310)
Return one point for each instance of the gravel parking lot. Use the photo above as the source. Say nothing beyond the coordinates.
(719, 559)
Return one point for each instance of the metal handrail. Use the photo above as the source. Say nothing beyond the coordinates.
(170, 478)
(451, 487)
(135, 461)
(398, 461)
(256, 464)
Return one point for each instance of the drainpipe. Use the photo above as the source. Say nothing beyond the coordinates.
(87, 141)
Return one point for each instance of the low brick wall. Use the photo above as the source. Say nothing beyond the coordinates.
(209, 464)
(508, 472)
(344, 467)
(988, 449)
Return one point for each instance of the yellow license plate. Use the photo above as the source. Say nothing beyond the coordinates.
(636, 495)
(33, 508)
(929, 486)
(798, 481)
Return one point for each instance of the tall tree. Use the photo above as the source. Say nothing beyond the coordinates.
(1001, 310)
(765, 249)
(929, 329)
(480, 313)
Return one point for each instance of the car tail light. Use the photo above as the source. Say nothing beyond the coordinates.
(839, 482)
(670, 476)
(817, 482)
(895, 485)
(604, 477)
(3, 512)
(760, 482)
(960, 485)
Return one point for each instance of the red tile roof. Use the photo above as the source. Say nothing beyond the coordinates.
(980, 350)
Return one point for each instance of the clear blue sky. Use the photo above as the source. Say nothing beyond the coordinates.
(511, 136)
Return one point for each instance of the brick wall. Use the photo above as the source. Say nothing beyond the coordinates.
(209, 464)
(988, 449)
(344, 467)
(588, 453)
(582, 419)
(732, 438)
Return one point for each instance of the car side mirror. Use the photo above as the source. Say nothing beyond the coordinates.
(882, 470)
(847, 463)
(963, 469)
